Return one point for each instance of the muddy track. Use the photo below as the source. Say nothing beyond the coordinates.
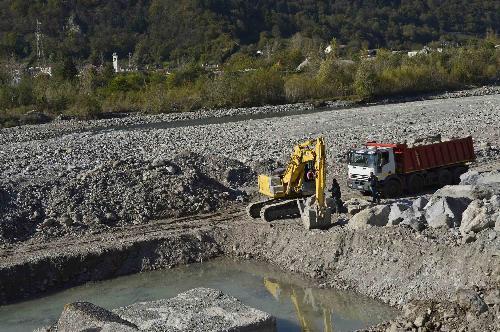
(20, 252)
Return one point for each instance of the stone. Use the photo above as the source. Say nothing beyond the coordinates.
(420, 320)
(470, 300)
(492, 297)
(397, 214)
(394, 328)
(116, 327)
(158, 162)
(355, 205)
(110, 217)
(171, 169)
(486, 190)
(469, 238)
(48, 222)
(414, 218)
(199, 309)
(420, 203)
(66, 221)
(374, 216)
(85, 316)
(479, 215)
(458, 191)
(445, 211)
(474, 177)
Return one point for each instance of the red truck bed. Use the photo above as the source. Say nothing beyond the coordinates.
(430, 156)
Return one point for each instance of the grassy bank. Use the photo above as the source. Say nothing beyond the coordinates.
(244, 80)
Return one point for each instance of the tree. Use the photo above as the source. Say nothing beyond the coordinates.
(66, 70)
(365, 81)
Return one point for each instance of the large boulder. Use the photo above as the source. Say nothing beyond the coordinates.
(459, 191)
(420, 203)
(199, 309)
(486, 190)
(480, 214)
(85, 316)
(474, 177)
(396, 215)
(374, 216)
(414, 217)
(445, 211)
(484, 185)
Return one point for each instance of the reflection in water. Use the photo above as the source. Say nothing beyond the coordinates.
(302, 300)
(294, 302)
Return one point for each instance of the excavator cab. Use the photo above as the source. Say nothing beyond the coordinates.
(299, 190)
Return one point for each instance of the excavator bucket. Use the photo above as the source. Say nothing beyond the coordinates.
(312, 215)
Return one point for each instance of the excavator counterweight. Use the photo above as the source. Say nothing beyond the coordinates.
(299, 191)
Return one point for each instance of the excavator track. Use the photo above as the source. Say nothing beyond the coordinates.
(285, 209)
(274, 209)
(253, 209)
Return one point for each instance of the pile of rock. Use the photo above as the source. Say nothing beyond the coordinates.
(199, 309)
(471, 310)
(117, 192)
(471, 207)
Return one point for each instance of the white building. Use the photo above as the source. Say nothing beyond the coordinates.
(115, 63)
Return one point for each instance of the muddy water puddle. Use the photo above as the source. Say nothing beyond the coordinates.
(297, 305)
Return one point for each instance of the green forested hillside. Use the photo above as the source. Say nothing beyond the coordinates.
(179, 37)
(157, 31)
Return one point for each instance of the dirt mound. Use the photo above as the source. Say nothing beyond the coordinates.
(120, 192)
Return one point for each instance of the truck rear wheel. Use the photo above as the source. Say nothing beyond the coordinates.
(445, 177)
(392, 188)
(457, 172)
(415, 183)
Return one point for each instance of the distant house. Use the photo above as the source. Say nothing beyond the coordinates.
(130, 68)
(426, 50)
(302, 65)
(37, 71)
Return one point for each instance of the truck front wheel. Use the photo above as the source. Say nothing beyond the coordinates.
(392, 188)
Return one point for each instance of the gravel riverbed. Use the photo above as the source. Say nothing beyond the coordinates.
(69, 180)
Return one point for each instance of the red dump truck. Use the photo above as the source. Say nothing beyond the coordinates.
(401, 168)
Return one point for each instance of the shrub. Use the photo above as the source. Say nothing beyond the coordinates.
(335, 78)
(252, 88)
(472, 65)
(300, 87)
(366, 80)
(55, 96)
(160, 99)
(85, 107)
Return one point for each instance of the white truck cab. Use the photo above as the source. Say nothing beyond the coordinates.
(363, 161)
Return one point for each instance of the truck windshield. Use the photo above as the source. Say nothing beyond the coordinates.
(363, 159)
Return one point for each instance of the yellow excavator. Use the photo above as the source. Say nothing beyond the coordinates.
(299, 189)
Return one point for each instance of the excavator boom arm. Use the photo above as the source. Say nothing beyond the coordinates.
(320, 172)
